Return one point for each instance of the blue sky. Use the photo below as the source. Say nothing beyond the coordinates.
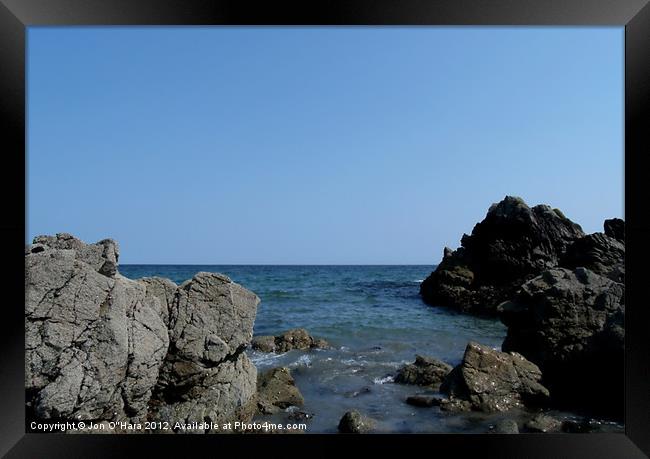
(316, 145)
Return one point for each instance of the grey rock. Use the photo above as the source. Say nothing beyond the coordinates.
(355, 422)
(425, 371)
(277, 390)
(488, 380)
(103, 347)
(571, 324)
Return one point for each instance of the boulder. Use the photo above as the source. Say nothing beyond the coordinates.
(488, 380)
(277, 391)
(425, 371)
(511, 245)
(101, 347)
(355, 422)
(571, 324)
(297, 338)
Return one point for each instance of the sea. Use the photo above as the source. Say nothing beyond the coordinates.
(375, 321)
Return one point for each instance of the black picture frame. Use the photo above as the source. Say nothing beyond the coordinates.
(17, 15)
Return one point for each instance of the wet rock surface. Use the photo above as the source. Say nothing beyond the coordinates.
(103, 347)
(297, 338)
(277, 391)
(425, 371)
(356, 423)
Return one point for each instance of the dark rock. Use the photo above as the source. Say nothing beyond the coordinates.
(505, 426)
(355, 422)
(615, 228)
(103, 347)
(489, 380)
(277, 390)
(424, 400)
(297, 338)
(300, 416)
(571, 324)
(425, 371)
(511, 245)
(599, 253)
(543, 423)
(263, 343)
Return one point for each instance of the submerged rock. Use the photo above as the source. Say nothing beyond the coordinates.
(571, 324)
(103, 347)
(489, 380)
(277, 390)
(511, 245)
(425, 371)
(297, 338)
(355, 422)
(424, 401)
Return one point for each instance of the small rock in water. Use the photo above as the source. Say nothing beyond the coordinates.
(297, 338)
(424, 400)
(355, 422)
(277, 390)
(425, 371)
(356, 393)
(543, 423)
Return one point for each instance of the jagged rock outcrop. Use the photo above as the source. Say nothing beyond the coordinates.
(598, 252)
(356, 423)
(489, 380)
(571, 324)
(511, 245)
(297, 338)
(103, 347)
(615, 227)
(277, 391)
(425, 371)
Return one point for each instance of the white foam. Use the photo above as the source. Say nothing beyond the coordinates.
(384, 380)
(263, 359)
(303, 361)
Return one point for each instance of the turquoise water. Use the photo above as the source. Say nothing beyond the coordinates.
(375, 321)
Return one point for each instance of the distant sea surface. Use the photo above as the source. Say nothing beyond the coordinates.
(375, 320)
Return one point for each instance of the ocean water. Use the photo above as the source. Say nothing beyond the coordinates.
(375, 321)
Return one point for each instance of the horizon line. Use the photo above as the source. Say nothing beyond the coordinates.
(276, 264)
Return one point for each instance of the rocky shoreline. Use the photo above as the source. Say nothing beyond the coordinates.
(559, 291)
(104, 348)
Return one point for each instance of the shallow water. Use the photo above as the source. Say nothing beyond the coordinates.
(375, 321)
